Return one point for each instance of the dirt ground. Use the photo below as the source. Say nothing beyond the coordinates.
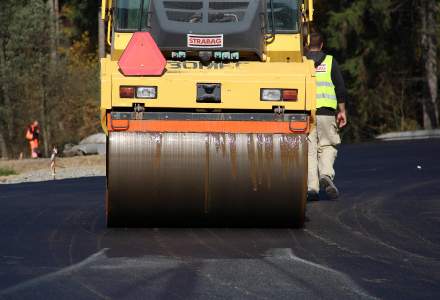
(39, 169)
(27, 165)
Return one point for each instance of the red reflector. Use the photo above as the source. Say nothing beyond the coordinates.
(126, 91)
(142, 57)
(290, 95)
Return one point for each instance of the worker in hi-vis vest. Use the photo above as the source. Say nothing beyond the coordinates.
(331, 96)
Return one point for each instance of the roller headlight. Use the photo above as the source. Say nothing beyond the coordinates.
(146, 92)
(270, 94)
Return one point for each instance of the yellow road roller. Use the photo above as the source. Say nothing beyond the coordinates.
(206, 105)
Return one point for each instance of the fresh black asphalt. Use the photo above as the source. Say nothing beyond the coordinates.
(381, 239)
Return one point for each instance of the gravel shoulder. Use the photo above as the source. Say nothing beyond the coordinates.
(33, 170)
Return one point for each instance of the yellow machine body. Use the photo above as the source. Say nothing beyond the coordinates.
(241, 81)
(264, 161)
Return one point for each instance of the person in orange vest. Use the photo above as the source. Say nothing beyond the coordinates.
(33, 136)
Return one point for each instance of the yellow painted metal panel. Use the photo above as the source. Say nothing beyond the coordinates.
(285, 48)
(120, 42)
(106, 82)
(103, 118)
(241, 85)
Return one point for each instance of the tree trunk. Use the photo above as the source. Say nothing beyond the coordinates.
(3, 149)
(8, 113)
(56, 14)
(53, 17)
(46, 91)
(427, 124)
(43, 117)
(428, 12)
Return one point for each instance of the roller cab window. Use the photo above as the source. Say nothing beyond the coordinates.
(285, 16)
(131, 15)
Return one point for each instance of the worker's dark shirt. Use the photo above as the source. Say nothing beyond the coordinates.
(338, 82)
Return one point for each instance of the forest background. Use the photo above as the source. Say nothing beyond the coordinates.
(49, 67)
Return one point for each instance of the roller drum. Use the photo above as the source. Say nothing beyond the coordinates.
(191, 179)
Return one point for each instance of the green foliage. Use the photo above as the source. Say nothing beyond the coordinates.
(377, 45)
(49, 76)
(7, 172)
(84, 16)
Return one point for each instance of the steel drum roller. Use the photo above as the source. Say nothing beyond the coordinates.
(190, 179)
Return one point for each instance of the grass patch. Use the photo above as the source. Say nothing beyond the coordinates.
(7, 172)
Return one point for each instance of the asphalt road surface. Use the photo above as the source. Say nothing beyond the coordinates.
(381, 239)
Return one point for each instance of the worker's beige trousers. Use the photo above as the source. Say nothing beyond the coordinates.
(322, 140)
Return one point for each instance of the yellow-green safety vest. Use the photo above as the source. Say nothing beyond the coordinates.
(325, 89)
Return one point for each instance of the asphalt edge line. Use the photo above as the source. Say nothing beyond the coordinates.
(65, 271)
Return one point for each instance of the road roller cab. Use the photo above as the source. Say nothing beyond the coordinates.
(207, 105)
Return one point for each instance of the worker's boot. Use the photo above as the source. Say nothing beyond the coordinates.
(329, 187)
(312, 196)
